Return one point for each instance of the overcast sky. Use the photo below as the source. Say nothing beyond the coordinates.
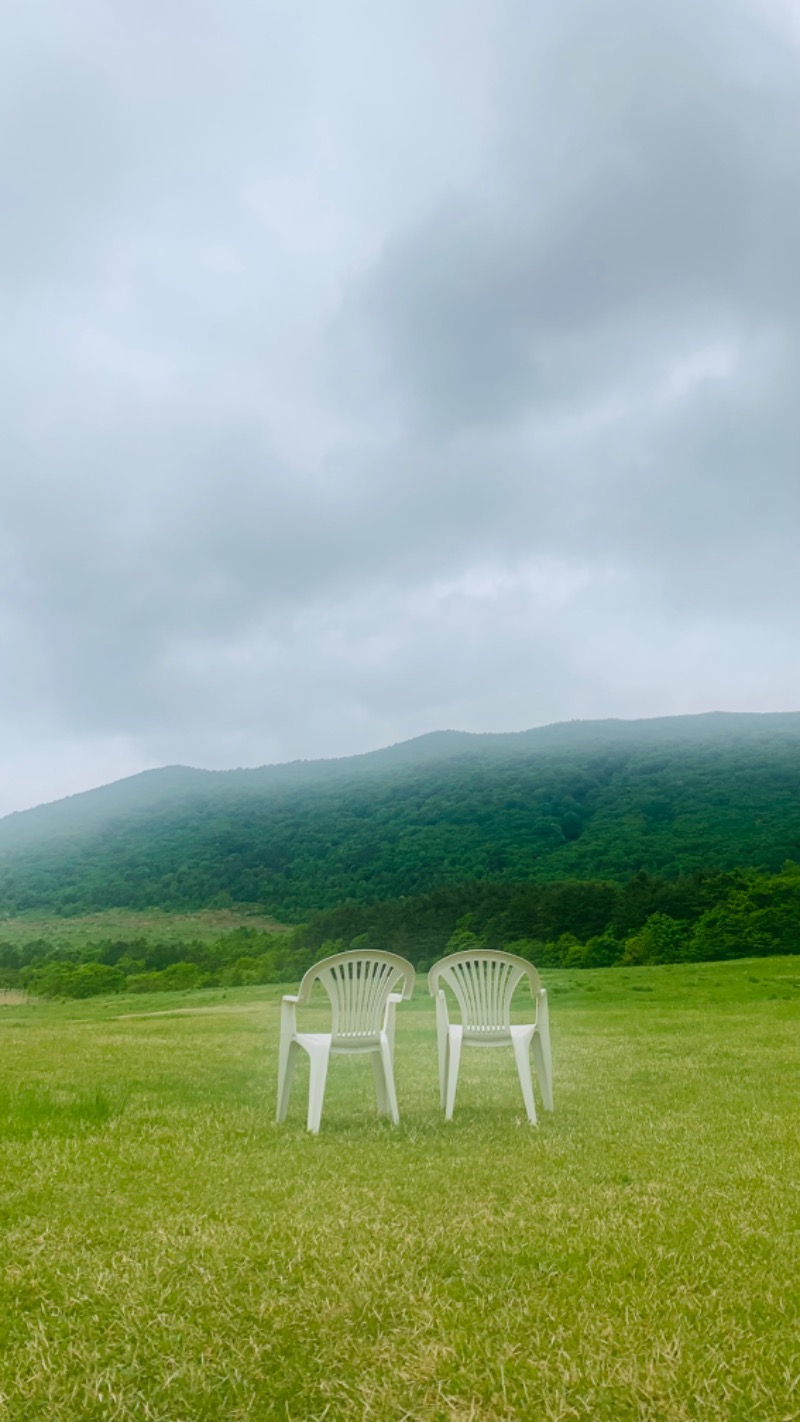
(371, 368)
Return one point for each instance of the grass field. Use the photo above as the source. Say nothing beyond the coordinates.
(152, 925)
(167, 1254)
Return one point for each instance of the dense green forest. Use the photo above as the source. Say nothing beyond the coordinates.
(580, 801)
(579, 924)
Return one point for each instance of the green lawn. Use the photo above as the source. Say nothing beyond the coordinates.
(167, 1254)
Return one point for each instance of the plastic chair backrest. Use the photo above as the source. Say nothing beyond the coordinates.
(358, 985)
(484, 983)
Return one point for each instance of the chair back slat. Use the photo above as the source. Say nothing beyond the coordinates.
(483, 983)
(358, 985)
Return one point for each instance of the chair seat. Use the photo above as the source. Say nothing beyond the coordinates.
(493, 1036)
(339, 1046)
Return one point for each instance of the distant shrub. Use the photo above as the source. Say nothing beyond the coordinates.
(660, 940)
(180, 976)
(143, 982)
(73, 980)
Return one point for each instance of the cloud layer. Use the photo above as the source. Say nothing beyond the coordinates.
(372, 369)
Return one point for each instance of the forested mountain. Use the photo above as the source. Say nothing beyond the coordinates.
(581, 800)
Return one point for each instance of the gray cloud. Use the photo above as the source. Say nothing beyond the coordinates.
(369, 370)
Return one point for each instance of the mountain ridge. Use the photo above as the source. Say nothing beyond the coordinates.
(456, 742)
(580, 799)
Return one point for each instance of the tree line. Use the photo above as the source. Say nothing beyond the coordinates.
(649, 919)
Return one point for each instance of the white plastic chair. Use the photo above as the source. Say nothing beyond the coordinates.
(360, 987)
(484, 983)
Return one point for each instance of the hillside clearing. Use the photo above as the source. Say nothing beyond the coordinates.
(126, 925)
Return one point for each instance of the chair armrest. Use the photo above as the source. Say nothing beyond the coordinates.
(442, 1014)
(388, 1016)
(289, 1015)
(543, 1015)
(391, 1006)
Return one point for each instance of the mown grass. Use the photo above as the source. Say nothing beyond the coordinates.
(167, 1253)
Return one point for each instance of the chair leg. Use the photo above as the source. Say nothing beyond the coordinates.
(388, 1076)
(444, 1064)
(522, 1054)
(318, 1059)
(287, 1061)
(380, 1083)
(442, 1039)
(544, 1070)
(453, 1063)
